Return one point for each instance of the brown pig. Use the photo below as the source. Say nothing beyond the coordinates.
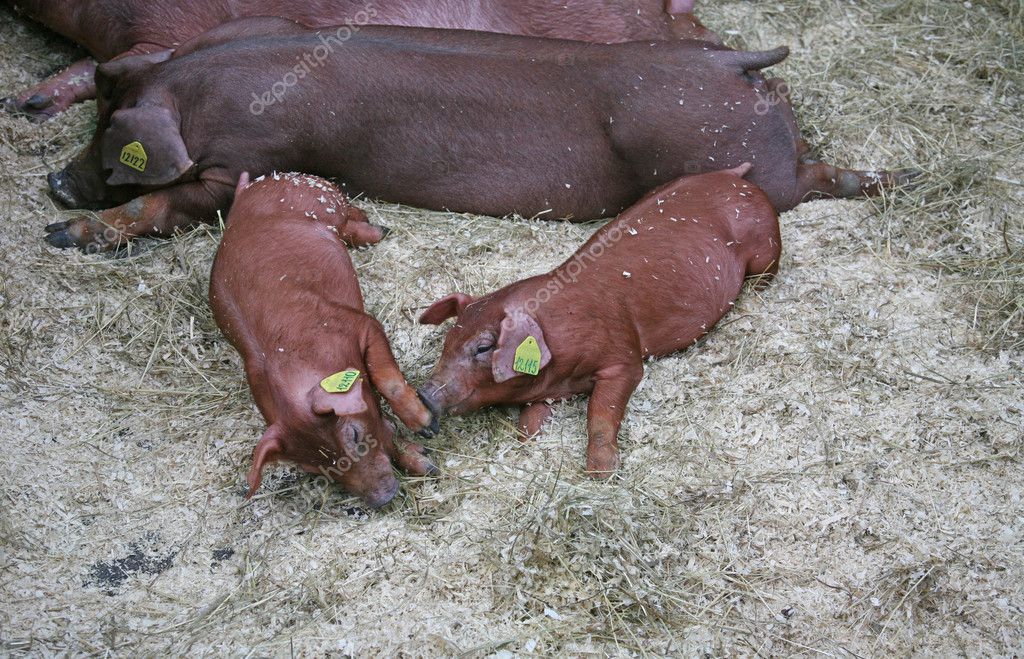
(538, 127)
(110, 29)
(648, 284)
(284, 292)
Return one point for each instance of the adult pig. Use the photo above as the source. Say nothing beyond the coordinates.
(109, 29)
(648, 284)
(505, 125)
(284, 292)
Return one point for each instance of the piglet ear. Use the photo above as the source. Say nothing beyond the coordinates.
(340, 404)
(521, 348)
(445, 308)
(143, 146)
(269, 450)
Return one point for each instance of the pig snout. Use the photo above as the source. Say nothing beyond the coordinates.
(439, 397)
(382, 494)
(76, 186)
(64, 189)
(428, 394)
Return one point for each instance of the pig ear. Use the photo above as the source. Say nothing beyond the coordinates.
(108, 73)
(143, 146)
(269, 450)
(517, 327)
(346, 404)
(445, 308)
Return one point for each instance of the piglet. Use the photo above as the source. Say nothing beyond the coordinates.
(648, 284)
(284, 292)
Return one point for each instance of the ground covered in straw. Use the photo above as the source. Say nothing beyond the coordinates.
(837, 469)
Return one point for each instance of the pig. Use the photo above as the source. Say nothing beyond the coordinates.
(648, 284)
(284, 292)
(110, 29)
(539, 127)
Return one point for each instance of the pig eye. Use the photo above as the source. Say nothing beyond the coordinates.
(484, 348)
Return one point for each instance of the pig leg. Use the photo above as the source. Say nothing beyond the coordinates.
(362, 233)
(531, 418)
(56, 94)
(387, 378)
(818, 180)
(160, 213)
(612, 390)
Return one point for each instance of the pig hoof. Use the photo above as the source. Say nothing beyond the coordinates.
(384, 231)
(59, 237)
(907, 178)
(431, 430)
(38, 102)
(601, 467)
(9, 104)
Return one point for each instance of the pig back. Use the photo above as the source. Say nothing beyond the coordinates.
(672, 264)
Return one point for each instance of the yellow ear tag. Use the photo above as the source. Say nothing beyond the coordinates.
(527, 357)
(134, 156)
(340, 383)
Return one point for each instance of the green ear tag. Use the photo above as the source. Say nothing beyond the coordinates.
(527, 357)
(340, 383)
(134, 156)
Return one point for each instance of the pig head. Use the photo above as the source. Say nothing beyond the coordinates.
(342, 436)
(478, 366)
(137, 145)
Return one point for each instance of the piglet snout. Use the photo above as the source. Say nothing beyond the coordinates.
(382, 495)
(428, 394)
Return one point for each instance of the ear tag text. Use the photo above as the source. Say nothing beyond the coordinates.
(340, 383)
(134, 156)
(527, 357)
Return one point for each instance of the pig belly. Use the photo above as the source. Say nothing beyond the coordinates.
(684, 305)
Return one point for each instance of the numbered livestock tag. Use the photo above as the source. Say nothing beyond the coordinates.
(134, 156)
(340, 383)
(527, 357)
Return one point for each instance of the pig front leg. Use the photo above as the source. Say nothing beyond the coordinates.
(531, 418)
(159, 213)
(55, 94)
(387, 378)
(612, 389)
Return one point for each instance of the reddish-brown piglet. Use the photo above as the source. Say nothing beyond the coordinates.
(648, 284)
(284, 292)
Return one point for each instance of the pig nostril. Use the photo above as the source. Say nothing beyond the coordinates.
(383, 497)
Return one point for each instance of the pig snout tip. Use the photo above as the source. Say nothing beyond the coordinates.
(382, 496)
(60, 186)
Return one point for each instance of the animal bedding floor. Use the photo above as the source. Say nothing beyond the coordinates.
(836, 470)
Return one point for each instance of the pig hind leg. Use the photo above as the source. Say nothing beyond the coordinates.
(531, 419)
(818, 180)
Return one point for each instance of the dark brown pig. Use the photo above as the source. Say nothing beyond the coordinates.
(284, 292)
(648, 284)
(506, 125)
(109, 29)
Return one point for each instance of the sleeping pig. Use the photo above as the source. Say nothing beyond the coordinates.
(110, 29)
(538, 127)
(284, 292)
(648, 284)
